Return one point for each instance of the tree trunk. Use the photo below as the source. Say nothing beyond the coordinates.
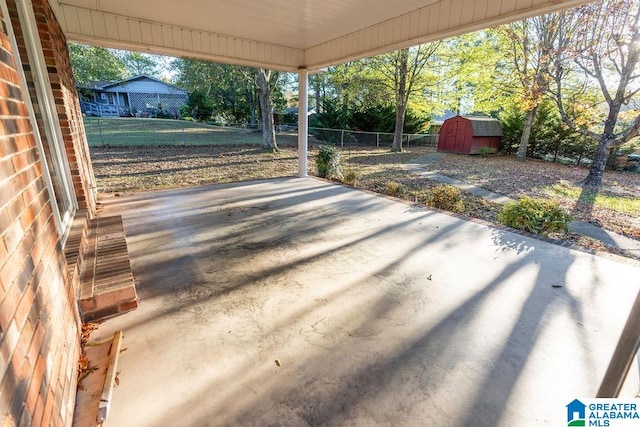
(316, 91)
(596, 172)
(397, 131)
(252, 108)
(266, 110)
(607, 141)
(526, 133)
(401, 98)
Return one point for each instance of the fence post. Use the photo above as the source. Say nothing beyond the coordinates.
(408, 140)
(342, 138)
(377, 139)
(100, 128)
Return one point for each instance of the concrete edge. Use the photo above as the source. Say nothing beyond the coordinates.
(569, 245)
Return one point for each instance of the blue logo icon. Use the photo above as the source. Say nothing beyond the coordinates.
(576, 413)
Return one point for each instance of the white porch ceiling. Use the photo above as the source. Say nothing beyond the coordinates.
(283, 35)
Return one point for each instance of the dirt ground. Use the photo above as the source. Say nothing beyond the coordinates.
(134, 169)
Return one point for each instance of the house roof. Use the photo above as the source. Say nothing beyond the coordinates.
(283, 35)
(96, 84)
(439, 120)
(103, 85)
(484, 126)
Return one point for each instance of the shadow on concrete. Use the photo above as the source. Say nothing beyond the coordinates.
(375, 324)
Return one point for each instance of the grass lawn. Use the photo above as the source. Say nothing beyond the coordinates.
(112, 132)
(616, 202)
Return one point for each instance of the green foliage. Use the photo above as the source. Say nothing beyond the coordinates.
(476, 73)
(394, 189)
(486, 151)
(140, 63)
(629, 147)
(90, 63)
(539, 216)
(231, 90)
(200, 105)
(374, 117)
(328, 163)
(333, 116)
(512, 122)
(550, 138)
(445, 197)
(350, 177)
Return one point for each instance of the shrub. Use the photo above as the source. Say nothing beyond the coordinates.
(350, 177)
(328, 163)
(446, 197)
(486, 151)
(539, 216)
(394, 189)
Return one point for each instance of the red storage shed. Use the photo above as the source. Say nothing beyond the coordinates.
(468, 134)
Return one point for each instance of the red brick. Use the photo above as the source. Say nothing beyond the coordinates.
(47, 401)
(48, 409)
(12, 295)
(24, 306)
(3, 256)
(27, 218)
(36, 418)
(34, 386)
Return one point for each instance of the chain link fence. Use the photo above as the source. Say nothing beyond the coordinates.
(127, 131)
(350, 138)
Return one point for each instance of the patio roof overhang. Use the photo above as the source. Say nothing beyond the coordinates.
(284, 35)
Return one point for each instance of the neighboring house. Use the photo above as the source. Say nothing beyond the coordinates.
(139, 96)
(437, 121)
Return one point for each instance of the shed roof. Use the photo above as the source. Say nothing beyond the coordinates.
(283, 34)
(484, 126)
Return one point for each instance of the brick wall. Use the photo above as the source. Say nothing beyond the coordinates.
(56, 55)
(39, 326)
(54, 45)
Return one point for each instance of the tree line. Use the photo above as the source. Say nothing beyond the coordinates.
(563, 85)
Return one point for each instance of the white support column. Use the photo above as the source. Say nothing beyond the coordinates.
(303, 121)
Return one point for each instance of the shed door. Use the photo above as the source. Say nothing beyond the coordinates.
(451, 136)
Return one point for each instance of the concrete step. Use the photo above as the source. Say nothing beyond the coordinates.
(107, 286)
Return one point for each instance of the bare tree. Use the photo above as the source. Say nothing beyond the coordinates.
(601, 41)
(266, 81)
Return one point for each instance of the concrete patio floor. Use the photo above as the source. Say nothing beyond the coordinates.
(379, 313)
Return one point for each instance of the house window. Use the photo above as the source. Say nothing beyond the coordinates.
(49, 138)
